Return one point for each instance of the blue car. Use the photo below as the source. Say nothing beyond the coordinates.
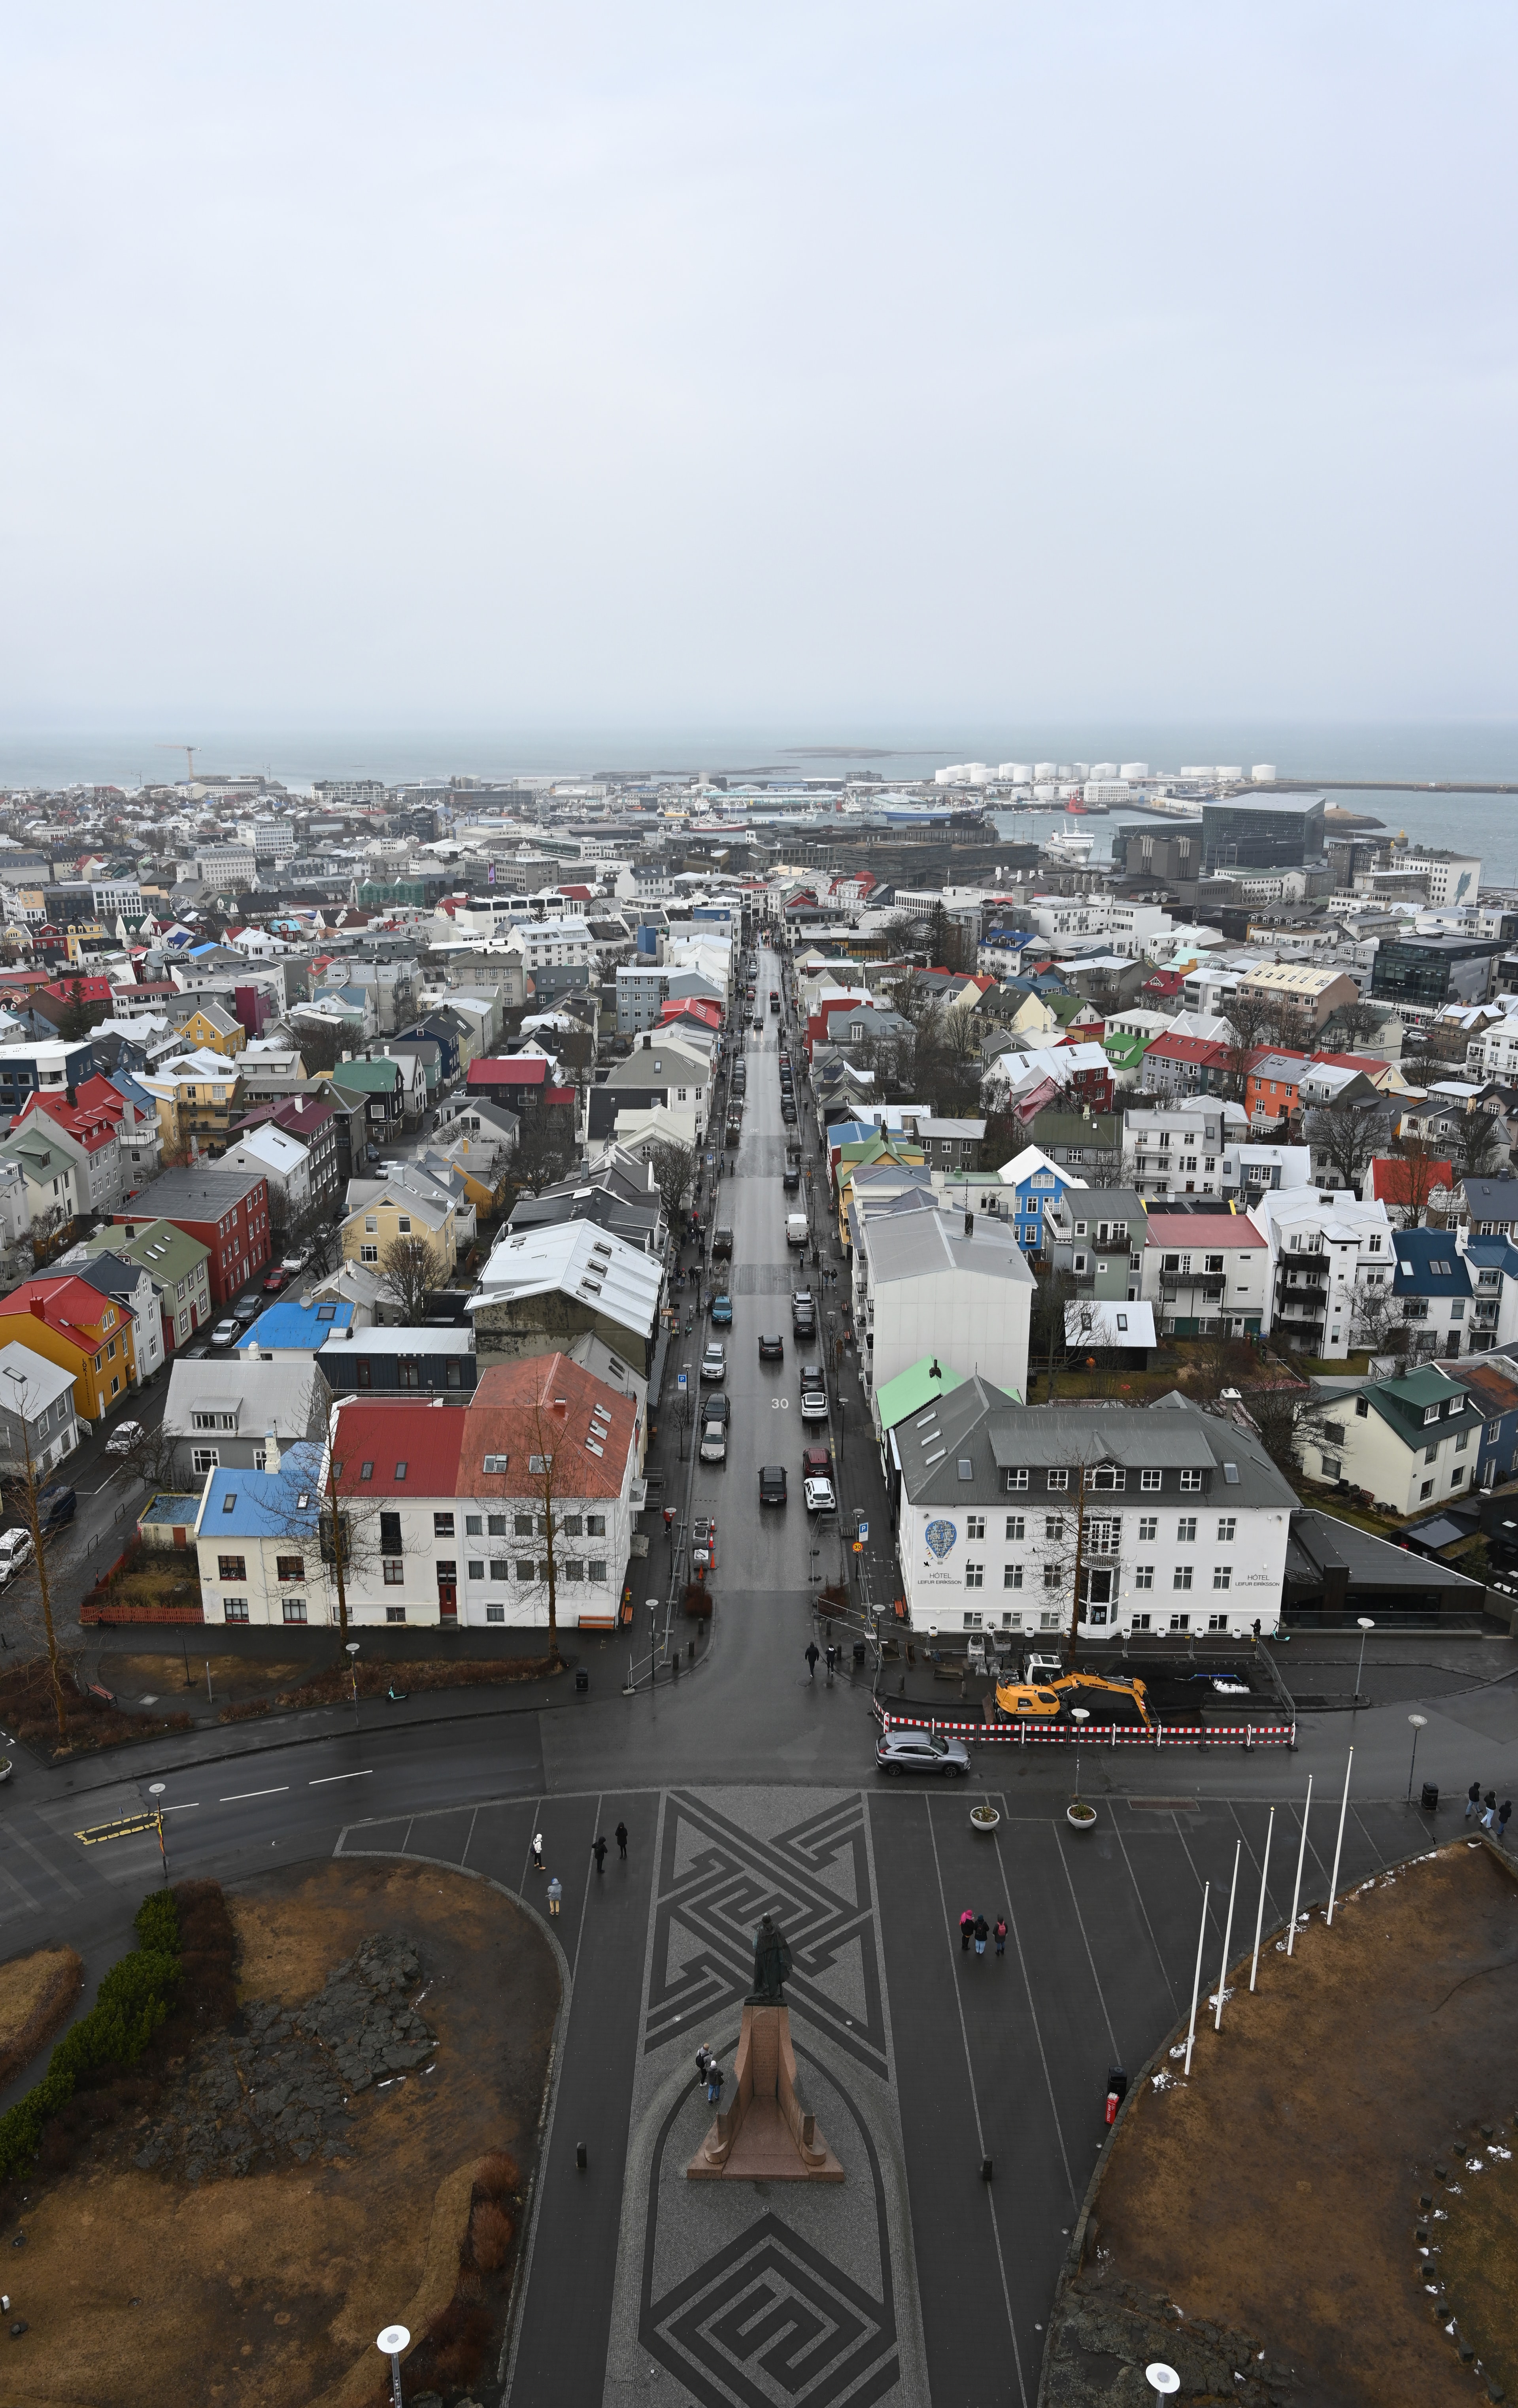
(722, 1312)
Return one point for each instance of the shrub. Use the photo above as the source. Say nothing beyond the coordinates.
(496, 2176)
(490, 2236)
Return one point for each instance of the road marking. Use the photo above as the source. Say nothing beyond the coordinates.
(184, 1807)
(237, 1795)
(322, 1779)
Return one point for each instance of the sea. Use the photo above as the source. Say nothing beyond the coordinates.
(1483, 751)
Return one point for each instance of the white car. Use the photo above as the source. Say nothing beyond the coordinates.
(226, 1333)
(714, 1443)
(715, 1363)
(294, 1263)
(123, 1438)
(819, 1496)
(16, 1550)
(814, 1405)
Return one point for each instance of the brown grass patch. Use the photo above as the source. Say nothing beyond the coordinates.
(270, 2288)
(37, 1992)
(163, 1674)
(28, 1705)
(1277, 2192)
(335, 1686)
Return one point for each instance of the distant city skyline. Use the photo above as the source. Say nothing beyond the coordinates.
(529, 371)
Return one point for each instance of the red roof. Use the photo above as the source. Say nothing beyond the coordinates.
(1391, 1181)
(1190, 1230)
(412, 1449)
(1200, 1050)
(79, 990)
(88, 1126)
(70, 1306)
(509, 1071)
(517, 1405)
(1164, 982)
(1371, 1065)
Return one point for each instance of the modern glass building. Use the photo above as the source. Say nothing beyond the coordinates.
(1263, 832)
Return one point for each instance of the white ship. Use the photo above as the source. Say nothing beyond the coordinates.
(1071, 844)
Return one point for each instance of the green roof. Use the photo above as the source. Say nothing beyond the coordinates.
(913, 1390)
(1125, 1047)
(160, 1248)
(379, 1078)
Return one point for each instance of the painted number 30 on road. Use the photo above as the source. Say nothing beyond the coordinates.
(780, 1404)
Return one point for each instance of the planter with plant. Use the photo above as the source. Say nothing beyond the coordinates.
(985, 1818)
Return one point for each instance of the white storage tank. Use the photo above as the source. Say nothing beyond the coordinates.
(977, 773)
(1264, 773)
(1098, 769)
(1044, 791)
(1132, 770)
(1233, 777)
(1206, 771)
(1043, 771)
(1015, 773)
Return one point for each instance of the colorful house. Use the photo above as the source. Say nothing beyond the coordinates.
(71, 1324)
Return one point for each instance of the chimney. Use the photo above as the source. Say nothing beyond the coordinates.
(271, 1452)
(39, 1308)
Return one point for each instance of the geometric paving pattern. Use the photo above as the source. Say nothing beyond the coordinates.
(714, 1882)
(771, 2322)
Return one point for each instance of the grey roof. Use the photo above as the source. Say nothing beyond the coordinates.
(931, 1445)
(1171, 1434)
(1492, 1200)
(1321, 1542)
(919, 1245)
(280, 1397)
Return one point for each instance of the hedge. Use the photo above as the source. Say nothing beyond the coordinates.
(133, 2001)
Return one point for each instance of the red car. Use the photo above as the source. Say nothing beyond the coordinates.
(275, 1282)
(816, 1463)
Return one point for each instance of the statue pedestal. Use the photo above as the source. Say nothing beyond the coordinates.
(767, 2134)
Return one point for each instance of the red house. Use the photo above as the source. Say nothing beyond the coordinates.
(226, 1209)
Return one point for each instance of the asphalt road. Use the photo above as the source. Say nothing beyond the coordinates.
(1001, 2058)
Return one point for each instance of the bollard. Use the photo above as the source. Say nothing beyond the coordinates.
(580, 2157)
(985, 2169)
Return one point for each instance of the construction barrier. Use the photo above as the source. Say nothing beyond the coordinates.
(1055, 1734)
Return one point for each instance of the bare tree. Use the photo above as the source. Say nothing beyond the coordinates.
(1379, 1324)
(45, 1236)
(1348, 1135)
(1279, 1414)
(1477, 1145)
(675, 1166)
(23, 1498)
(410, 1272)
(1421, 1172)
(544, 1154)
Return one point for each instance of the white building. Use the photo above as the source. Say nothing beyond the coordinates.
(552, 944)
(922, 1286)
(1184, 1519)
(269, 1154)
(1326, 1251)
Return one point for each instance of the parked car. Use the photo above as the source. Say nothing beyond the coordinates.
(772, 1349)
(816, 1463)
(814, 1404)
(920, 1751)
(721, 1243)
(788, 1111)
(195, 1352)
(790, 1179)
(123, 1438)
(714, 1362)
(293, 1264)
(226, 1331)
(717, 1407)
(276, 1281)
(713, 1446)
(722, 1312)
(772, 1483)
(246, 1310)
(57, 1505)
(819, 1496)
(811, 1375)
(15, 1551)
(7, 1767)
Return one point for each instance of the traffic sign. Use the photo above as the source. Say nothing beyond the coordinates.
(863, 1529)
(859, 1547)
(680, 1382)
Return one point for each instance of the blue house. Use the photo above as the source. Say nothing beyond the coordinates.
(1432, 1287)
(1031, 1180)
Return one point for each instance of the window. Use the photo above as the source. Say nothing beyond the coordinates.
(497, 1462)
(522, 1525)
(368, 1254)
(235, 1609)
(287, 1568)
(1427, 1488)
(453, 1378)
(395, 1613)
(526, 1568)
(395, 1572)
(1143, 1576)
(1186, 1530)
(495, 1614)
(595, 1570)
(1149, 1526)
(204, 1459)
(476, 1569)
(974, 1575)
(1015, 1525)
(1180, 1622)
(293, 1609)
(1141, 1621)
(570, 1526)
(1048, 1621)
(1181, 1577)
(1051, 1575)
(365, 1471)
(1190, 1480)
(571, 1568)
(595, 1525)
(1226, 1526)
(1059, 1479)
(1222, 1576)
(975, 1526)
(473, 1526)
(391, 1543)
(1107, 1475)
(442, 1525)
(370, 1225)
(403, 1225)
(1011, 1575)
(1054, 1527)
(1016, 1480)
(231, 1568)
(1149, 1480)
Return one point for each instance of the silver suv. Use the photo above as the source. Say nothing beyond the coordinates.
(714, 1362)
(921, 1751)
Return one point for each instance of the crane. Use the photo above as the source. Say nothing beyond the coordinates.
(189, 752)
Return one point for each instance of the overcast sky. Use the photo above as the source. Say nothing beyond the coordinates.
(814, 363)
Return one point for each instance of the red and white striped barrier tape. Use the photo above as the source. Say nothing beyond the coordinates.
(1029, 1734)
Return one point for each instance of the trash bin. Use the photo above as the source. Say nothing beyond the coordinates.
(582, 1681)
(1430, 1796)
(858, 1650)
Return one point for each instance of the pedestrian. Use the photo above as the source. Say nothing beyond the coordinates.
(536, 1851)
(1473, 1798)
(967, 1926)
(1000, 1931)
(1489, 1817)
(981, 1929)
(669, 1519)
(714, 2079)
(813, 1652)
(555, 1891)
(704, 2059)
(597, 1849)
(1502, 1813)
(622, 1841)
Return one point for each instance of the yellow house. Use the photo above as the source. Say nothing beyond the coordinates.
(83, 939)
(473, 1158)
(62, 1317)
(394, 1212)
(211, 1025)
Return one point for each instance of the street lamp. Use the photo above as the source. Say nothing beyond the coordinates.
(1162, 2378)
(156, 1790)
(1366, 1627)
(1418, 1721)
(394, 2338)
(1079, 1716)
(352, 1667)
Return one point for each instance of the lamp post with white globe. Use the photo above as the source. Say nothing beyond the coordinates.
(394, 2338)
(1418, 1721)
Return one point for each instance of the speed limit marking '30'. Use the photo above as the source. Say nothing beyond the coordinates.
(780, 1404)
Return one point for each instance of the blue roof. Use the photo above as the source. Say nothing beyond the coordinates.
(288, 1325)
(265, 1504)
(1428, 1264)
(1493, 1255)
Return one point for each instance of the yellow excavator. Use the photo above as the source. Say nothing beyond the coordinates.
(1043, 1699)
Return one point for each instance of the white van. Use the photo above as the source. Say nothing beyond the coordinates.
(797, 1232)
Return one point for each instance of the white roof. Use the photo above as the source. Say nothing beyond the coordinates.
(399, 1340)
(28, 1381)
(580, 1259)
(270, 1145)
(1031, 1158)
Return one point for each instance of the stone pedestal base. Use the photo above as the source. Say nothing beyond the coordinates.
(767, 2134)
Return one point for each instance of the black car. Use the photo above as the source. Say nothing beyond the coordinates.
(721, 1243)
(772, 1483)
(788, 1110)
(790, 1180)
(716, 1407)
(772, 1349)
(811, 1376)
(56, 1505)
